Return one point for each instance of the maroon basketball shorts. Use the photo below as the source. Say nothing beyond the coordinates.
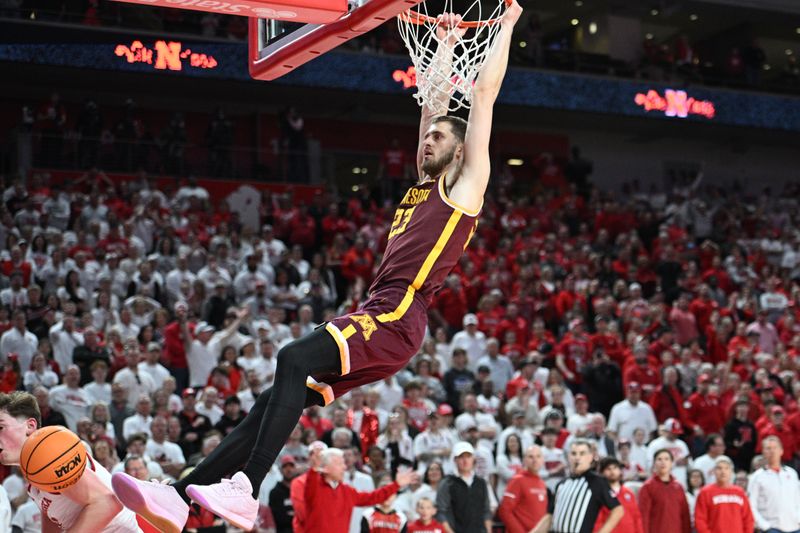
(375, 342)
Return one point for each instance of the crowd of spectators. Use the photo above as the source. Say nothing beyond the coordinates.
(59, 135)
(639, 322)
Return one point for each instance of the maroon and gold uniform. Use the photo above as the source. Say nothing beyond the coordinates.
(427, 237)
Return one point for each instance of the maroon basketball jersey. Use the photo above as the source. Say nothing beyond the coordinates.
(428, 235)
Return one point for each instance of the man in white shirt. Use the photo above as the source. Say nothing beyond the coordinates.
(64, 339)
(773, 301)
(278, 330)
(273, 248)
(141, 420)
(69, 399)
(488, 428)
(471, 340)
(248, 396)
(244, 284)
(203, 352)
(127, 328)
(98, 389)
(177, 276)
(213, 273)
(391, 393)
(167, 454)
(135, 382)
(15, 296)
(151, 365)
(209, 407)
(631, 413)
(20, 341)
(262, 361)
(435, 443)
(500, 368)
(358, 480)
(669, 441)
(555, 461)
(578, 422)
(715, 446)
(774, 492)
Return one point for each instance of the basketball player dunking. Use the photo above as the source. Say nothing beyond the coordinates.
(431, 228)
(88, 506)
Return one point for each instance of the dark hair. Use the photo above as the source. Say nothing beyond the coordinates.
(689, 473)
(710, 440)
(230, 400)
(605, 462)
(21, 404)
(457, 125)
(666, 451)
(137, 437)
(520, 451)
(425, 478)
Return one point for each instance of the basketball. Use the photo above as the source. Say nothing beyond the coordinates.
(52, 458)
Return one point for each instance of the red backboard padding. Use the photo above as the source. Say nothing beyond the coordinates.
(309, 11)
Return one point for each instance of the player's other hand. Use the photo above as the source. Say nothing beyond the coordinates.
(448, 29)
(512, 14)
(406, 477)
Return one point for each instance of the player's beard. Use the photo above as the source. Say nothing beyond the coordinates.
(434, 167)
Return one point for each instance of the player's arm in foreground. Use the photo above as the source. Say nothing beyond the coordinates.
(438, 105)
(468, 190)
(101, 506)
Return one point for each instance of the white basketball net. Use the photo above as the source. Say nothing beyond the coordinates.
(439, 80)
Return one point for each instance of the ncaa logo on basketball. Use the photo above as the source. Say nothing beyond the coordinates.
(68, 467)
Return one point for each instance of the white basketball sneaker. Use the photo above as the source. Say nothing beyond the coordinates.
(158, 503)
(231, 499)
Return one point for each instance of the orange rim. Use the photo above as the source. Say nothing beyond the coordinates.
(415, 17)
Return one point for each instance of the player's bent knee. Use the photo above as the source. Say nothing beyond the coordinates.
(291, 358)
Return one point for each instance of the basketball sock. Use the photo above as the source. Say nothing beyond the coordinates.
(281, 423)
(313, 354)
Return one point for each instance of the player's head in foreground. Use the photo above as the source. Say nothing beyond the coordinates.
(19, 418)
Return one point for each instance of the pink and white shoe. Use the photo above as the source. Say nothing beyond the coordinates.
(158, 503)
(231, 499)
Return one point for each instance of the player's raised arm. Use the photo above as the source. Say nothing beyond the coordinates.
(475, 167)
(443, 61)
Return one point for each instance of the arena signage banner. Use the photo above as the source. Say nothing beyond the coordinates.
(357, 73)
(674, 104)
(164, 55)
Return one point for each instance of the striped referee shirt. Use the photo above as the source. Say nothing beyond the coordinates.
(577, 503)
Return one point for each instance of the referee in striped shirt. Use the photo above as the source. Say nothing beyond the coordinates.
(578, 498)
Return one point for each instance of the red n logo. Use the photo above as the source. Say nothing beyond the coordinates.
(168, 55)
(677, 104)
